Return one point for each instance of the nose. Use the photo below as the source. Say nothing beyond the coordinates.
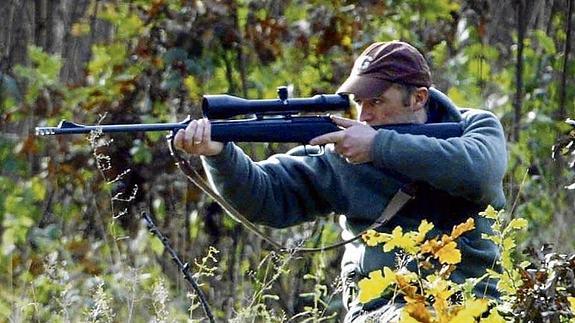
(365, 114)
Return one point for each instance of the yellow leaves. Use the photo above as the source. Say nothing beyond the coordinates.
(493, 317)
(472, 309)
(399, 240)
(439, 288)
(446, 249)
(571, 303)
(80, 29)
(449, 254)
(346, 41)
(193, 88)
(467, 312)
(434, 298)
(416, 290)
(518, 224)
(407, 289)
(460, 229)
(372, 287)
(415, 312)
(372, 238)
(490, 213)
(409, 242)
(422, 230)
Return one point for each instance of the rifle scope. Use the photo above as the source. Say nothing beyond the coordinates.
(227, 106)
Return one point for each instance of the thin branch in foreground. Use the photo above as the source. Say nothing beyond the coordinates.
(184, 267)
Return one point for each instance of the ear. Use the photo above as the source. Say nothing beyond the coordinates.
(419, 99)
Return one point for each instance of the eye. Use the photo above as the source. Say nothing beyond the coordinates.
(376, 101)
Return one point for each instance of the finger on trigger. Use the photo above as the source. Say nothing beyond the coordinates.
(327, 138)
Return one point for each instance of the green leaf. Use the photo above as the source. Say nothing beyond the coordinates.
(157, 246)
(490, 213)
(38, 189)
(518, 224)
(105, 57)
(47, 65)
(141, 153)
(545, 41)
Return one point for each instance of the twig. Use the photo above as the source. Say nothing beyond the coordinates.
(184, 267)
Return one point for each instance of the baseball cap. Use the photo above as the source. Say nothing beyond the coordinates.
(385, 63)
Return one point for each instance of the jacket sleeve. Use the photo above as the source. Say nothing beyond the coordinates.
(471, 166)
(281, 191)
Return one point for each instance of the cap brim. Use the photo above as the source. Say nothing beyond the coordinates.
(362, 86)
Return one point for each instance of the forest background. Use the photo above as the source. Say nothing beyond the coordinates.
(73, 243)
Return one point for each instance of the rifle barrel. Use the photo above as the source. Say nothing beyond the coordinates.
(66, 127)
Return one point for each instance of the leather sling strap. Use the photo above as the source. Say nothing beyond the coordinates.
(398, 201)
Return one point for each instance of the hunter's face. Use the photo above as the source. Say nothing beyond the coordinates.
(388, 108)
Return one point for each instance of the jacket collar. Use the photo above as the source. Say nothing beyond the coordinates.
(440, 108)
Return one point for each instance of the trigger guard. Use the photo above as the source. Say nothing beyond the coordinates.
(320, 152)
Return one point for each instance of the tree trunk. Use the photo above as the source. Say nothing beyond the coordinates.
(563, 93)
(518, 102)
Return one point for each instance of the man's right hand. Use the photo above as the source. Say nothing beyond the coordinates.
(196, 139)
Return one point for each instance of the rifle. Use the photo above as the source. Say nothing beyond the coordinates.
(274, 120)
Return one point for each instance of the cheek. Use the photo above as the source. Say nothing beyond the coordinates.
(387, 113)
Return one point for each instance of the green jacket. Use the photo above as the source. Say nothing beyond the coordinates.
(463, 176)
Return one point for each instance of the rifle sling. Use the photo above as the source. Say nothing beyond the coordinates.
(399, 200)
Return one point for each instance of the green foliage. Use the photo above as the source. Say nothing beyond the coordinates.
(43, 74)
(68, 210)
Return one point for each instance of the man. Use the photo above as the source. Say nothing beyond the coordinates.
(363, 168)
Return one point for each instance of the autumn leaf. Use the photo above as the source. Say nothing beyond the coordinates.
(441, 291)
(449, 254)
(446, 249)
(424, 228)
(572, 303)
(415, 312)
(407, 289)
(493, 317)
(471, 310)
(372, 287)
(460, 229)
(439, 288)
(406, 318)
(372, 238)
(430, 246)
(401, 241)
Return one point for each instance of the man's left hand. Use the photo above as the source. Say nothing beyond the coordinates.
(354, 142)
